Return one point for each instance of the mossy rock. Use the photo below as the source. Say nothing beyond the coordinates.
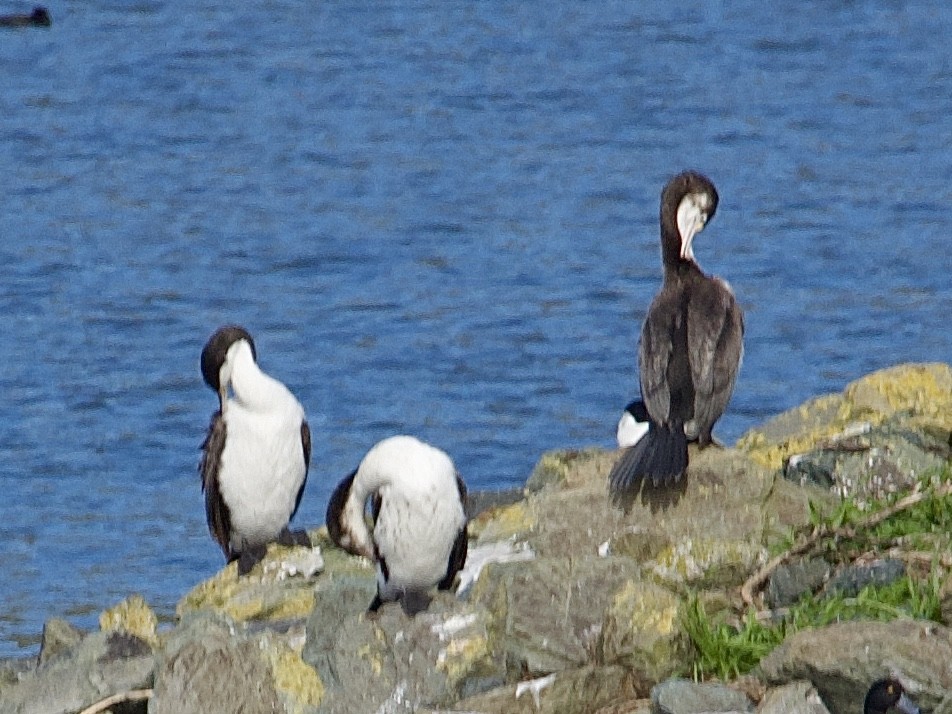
(916, 395)
(273, 590)
(643, 631)
(132, 616)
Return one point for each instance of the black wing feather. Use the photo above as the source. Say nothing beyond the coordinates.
(335, 509)
(306, 445)
(216, 510)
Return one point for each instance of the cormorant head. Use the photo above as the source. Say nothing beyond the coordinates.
(693, 199)
(215, 356)
(888, 695)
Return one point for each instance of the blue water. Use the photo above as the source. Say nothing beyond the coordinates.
(437, 217)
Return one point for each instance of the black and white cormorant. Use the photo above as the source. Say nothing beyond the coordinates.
(887, 695)
(419, 538)
(632, 425)
(690, 349)
(40, 17)
(256, 454)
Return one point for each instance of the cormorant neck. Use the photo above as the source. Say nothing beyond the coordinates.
(253, 388)
(671, 242)
(352, 520)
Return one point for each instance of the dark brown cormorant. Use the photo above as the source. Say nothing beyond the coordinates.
(690, 349)
(887, 695)
(256, 454)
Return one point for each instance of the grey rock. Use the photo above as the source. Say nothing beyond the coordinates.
(389, 661)
(843, 659)
(794, 698)
(550, 610)
(886, 459)
(790, 582)
(849, 581)
(99, 666)
(582, 691)
(683, 696)
(214, 675)
(59, 638)
(211, 665)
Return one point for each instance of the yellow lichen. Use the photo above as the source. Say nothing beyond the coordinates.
(698, 562)
(923, 390)
(512, 520)
(298, 682)
(132, 616)
(920, 392)
(658, 614)
(368, 653)
(461, 654)
(252, 597)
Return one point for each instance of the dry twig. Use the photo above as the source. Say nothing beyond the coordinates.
(756, 581)
(133, 695)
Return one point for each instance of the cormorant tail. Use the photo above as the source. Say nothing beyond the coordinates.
(661, 457)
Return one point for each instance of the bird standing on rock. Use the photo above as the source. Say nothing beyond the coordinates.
(887, 695)
(690, 349)
(419, 537)
(256, 453)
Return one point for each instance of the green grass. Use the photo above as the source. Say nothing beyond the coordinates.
(726, 650)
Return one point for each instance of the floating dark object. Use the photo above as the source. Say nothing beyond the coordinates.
(40, 17)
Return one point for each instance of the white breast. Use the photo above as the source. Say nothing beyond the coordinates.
(262, 470)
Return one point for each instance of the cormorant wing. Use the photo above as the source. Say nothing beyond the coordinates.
(716, 334)
(655, 355)
(306, 445)
(216, 511)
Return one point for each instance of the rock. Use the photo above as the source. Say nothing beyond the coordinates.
(682, 696)
(132, 616)
(793, 580)
(643, 631)
(103, 664)
(549, 611)
(279, 588)
(391, 661)
(849, 581)
(914, 398)
(794, 698)
(59, 638)
(209, 665)
(579, 691)
(561, 469)
(843, 659)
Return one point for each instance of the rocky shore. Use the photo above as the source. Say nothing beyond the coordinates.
(789, 573)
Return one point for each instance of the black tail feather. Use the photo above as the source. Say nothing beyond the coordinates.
(660, 457)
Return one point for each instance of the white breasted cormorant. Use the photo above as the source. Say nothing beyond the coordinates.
(690, 350)
(419, 537)
(256, 454)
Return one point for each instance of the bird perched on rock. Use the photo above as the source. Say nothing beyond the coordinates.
(887, 695)
(256, 453)
(419, 536)
(690, 349)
